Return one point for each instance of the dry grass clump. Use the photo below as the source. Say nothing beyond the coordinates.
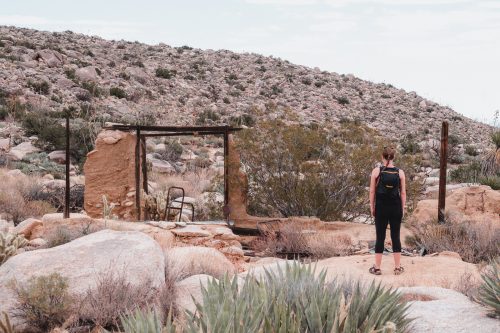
(112, 296)
(19, 199)
(193, 183)
(299, 239)
(475, 242)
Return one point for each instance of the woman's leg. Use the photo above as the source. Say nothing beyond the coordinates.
(395, 223)
(380, 228)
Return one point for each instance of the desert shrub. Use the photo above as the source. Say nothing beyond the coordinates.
(40, 87)
(299, 238)
(59, 236)
(469, 173)
(93, 88)
(39, 164)
(165, 73)
(207, 117)
(113, 296)
(471, 151)
(43, 303)
(49, 130)
(17, 201)
(489, 292)
(475, 242)
(491, 181)
(244, 119)
(117, 92)
(294, 299)
(298, 171)
(173, 151)
(409, 145)
(343, 100)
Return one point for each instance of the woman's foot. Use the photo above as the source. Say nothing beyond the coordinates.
(375, 271)
(399, 270)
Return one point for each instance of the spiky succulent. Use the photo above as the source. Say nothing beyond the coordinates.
(9, 244)
(489, 292)
(146, 322)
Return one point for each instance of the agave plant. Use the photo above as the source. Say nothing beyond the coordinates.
(5, 325)
(296, 299)
(489, 292)
(146, 321)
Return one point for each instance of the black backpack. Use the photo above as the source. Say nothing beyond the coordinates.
(388, 182)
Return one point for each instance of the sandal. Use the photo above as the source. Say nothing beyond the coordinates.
(399, 270)
(375, 271)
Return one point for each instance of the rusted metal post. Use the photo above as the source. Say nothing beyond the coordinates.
(226, 173)
(138, 173)
(66, 191)
(443, 154)
(144, 166)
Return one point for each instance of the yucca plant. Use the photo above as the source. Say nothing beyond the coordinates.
(489, 292)
(296, 299)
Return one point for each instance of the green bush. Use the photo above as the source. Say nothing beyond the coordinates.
(469, 173)
(165, 73)
(489, 292)
(43, 303)
(117, 92)
(491, 181)
(471, 151)
(343, 100)
(409, 145)
(207, 117)
(297, 171)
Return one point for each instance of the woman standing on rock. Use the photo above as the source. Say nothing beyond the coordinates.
(387, 202)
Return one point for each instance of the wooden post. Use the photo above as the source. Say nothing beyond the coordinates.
(66, 190)
(144, 168)
(443, 154)
(138, 174)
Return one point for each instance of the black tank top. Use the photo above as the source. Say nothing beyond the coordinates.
(388, 187)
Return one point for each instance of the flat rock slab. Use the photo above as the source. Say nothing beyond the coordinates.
(448, 312)
(191, 231)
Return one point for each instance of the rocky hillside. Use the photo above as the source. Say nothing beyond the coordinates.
(169, 85)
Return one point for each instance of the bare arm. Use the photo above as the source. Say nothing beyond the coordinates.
(403, 190)
(373, 184)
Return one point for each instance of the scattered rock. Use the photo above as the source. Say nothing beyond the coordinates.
(58, 156)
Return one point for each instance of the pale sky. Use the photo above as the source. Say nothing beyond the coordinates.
(445, 50)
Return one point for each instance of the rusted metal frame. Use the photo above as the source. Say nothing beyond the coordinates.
(183, 134)
(67, 189)
(138, 174)
(173, 128)
(226, 173)
(167, 209)
(442, 172)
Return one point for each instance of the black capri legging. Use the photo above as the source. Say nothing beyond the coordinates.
(384, 215)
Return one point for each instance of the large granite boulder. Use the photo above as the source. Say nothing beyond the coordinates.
(81, 261)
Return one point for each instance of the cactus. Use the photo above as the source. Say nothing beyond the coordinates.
(107, 209)
(5, 325)
(155, 205)
(9, 243)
